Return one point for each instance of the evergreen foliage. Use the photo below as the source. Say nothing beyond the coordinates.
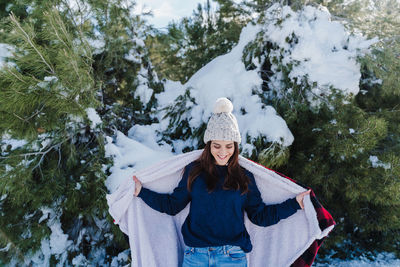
(379, 97)
(52, 183)
(122, 66)
(53, 166)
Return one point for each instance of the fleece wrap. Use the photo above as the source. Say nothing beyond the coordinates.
(155, 238)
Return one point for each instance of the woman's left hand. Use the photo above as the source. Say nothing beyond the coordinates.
(300, 198)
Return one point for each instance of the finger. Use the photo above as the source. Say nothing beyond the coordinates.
(306, 192)
(302, 195)
(135, 179)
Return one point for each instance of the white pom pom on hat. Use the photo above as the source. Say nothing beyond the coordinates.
(222, 124)
(223, 104)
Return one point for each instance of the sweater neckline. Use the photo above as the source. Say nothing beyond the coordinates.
(221, 167)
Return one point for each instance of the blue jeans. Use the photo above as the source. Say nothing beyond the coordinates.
(223, 256)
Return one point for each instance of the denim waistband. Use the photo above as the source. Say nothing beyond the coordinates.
(218, 249)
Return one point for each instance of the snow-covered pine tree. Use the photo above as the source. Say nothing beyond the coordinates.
(105, 46)
(344, 142)
(195, 40)
(52, 165)
(381, 98)
(125, 75)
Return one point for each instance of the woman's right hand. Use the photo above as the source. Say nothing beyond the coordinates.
(138, 185)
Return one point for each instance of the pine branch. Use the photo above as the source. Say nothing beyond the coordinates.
(31, 116)
(56, 146)
(78, 27)
(56, 19)
(30, 41)
(22, 119)
(15, 75)
(42, 153)
(55, 30)
(13, 245)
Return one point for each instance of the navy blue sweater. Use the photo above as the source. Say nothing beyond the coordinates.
(217, 218)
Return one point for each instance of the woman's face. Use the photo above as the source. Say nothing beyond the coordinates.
(222, 151)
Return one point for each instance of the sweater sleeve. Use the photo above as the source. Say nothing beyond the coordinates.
(265, 215)
(172, 203)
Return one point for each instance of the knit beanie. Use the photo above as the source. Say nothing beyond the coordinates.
(222, 124)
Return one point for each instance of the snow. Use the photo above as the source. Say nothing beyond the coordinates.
(324, 53)
(134, 57)
(5, 51)
(97, 44)
(142, 91)
(138, 42)
(6, 248)
(80, 260)
(46, 211)
(122, 257)
(93, 117)
(129, 156)
(146, 135)
(50, 79)
(58, 243)
(6, 141)
(375, 162)
(381, 260)
(78, 186)
(45, 142)
(58, 240)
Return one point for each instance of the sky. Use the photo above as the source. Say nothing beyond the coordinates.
(165, 11)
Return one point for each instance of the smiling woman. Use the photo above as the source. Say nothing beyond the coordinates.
(219, 191)
(222, 151)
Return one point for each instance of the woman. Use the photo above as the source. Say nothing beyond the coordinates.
(219, 191)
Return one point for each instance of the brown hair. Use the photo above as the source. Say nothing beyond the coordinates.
(236, 178)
